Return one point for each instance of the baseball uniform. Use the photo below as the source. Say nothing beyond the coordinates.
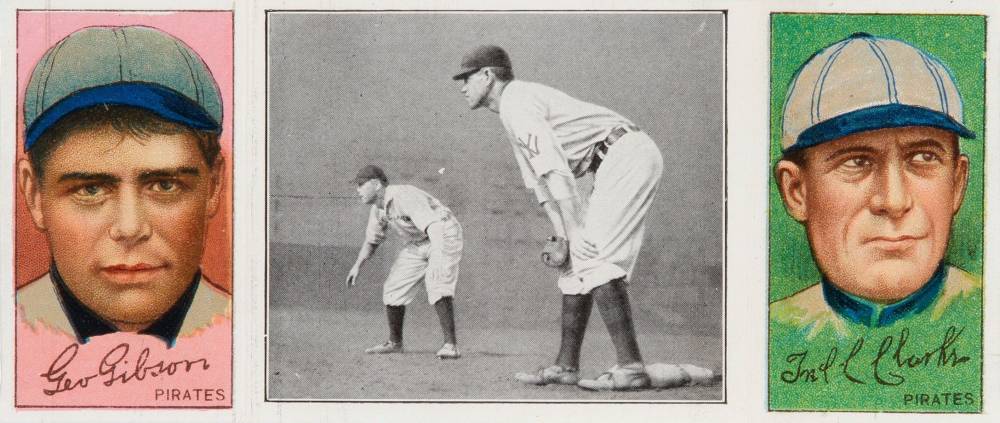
(551, 131)
(48, 302)
(823, 307)
(409, 211)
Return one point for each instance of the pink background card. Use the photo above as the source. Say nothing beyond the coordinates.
(208, 33)
(124, 369)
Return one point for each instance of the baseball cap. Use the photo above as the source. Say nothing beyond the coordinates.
(481, 57)
(128, 66)
(370, 172)
(864, 83)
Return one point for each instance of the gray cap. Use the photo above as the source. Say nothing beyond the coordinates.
(370, 172)
(130, 66)
(481, 57)
(864, 83)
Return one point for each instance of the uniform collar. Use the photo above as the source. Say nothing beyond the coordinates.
(872, 314)
(87, 323)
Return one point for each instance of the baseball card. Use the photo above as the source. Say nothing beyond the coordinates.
(501, 210)
(876, 224)
(480, 207)
(123, 231)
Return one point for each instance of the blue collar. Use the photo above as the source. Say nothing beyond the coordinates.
(87, 323)
(872, 314)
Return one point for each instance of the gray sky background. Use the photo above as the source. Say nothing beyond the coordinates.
(349, 89)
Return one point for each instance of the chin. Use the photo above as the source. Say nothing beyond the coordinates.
(893, 280)
(136, 307)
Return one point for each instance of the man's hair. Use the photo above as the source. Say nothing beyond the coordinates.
(502, 74)
(133, 121)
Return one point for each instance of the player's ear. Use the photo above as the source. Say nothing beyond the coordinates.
(217, 175)
(791, 185)
(961, 182)
(31, 189)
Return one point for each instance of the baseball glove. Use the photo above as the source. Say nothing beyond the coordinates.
(556, 251)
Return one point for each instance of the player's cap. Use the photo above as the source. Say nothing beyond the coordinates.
(125, 66)
(370, 172)
(481, 57)
(863, 83)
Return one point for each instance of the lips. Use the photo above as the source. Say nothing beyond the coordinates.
(894, 242)
(132, 274)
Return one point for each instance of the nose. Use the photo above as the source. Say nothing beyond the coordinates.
(892, 192)
(130, 226)
(464, 86)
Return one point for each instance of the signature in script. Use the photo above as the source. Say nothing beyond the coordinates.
(883, 364)
(114, 369)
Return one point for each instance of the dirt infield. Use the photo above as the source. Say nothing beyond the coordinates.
(318, 331)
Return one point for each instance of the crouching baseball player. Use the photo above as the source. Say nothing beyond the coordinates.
(430, 257)
(556, 138)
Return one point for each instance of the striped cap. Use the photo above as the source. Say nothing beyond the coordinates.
(863, 83)
(127, 66)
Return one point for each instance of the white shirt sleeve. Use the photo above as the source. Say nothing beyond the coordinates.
(536, 149)
(375, 232)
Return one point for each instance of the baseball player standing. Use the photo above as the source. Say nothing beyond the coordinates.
(555, 139)
(431, 254)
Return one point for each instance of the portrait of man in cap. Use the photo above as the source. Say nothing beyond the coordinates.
(122, 172)
(873, 169)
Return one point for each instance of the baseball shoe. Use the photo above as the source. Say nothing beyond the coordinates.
(448, 351)
(553, 374)
(387, 348)
(619, 378)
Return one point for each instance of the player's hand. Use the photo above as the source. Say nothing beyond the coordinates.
(555, 253)
(352, 277)
(583, 249)
(435, 272)
(435, 269)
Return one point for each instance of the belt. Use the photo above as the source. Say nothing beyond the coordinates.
(602, 147)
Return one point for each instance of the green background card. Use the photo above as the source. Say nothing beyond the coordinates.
(958, 41)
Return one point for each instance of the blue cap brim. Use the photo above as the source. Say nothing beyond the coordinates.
(162, 101)
(877, 117)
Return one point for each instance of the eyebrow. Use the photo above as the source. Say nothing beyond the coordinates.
(850, 150)
(148, 175)
(144, 176)
(929, 142)
(104, 178)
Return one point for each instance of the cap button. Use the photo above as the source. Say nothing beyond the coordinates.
(861, 35)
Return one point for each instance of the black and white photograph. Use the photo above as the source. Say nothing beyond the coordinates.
(495, 206)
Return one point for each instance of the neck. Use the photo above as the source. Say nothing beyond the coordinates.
(130, 326)
(495, 93)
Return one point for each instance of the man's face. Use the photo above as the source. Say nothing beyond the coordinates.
(125, 218)
(878, 207)
(475, 88)
(368, 191)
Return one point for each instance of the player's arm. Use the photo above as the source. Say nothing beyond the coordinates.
(555, 216)
(565, 210)
(374, 235)
(367, 250)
